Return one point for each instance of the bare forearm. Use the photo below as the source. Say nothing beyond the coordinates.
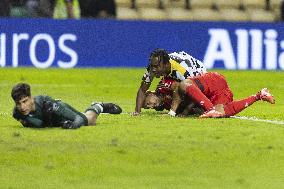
(176, 101)
(32, 122)
(139, 101)
(141, 96)
(176, 97)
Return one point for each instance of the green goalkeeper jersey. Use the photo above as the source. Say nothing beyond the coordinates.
(60, 112)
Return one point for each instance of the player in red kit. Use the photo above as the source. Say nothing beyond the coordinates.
(162, 98)
(177, 65)
(212, 93)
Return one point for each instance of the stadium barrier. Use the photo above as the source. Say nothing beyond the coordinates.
(44, 43)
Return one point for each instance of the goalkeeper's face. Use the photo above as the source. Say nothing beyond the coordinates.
(25, 105)
(152, 101)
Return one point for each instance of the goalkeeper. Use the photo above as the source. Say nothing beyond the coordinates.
(43, 111)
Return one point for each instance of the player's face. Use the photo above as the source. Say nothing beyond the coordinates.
(158, 68)
(152, 101)
(25, 105)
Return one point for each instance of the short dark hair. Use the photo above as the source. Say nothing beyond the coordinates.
(20, 91)
(161, 53)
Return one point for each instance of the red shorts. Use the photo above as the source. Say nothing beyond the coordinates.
(214, 86)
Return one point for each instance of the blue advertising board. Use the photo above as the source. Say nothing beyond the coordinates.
(47, 43)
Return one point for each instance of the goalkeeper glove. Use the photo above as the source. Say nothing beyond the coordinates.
(69, 125)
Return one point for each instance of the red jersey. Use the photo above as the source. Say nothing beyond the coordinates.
(164, 89)
(213, 85)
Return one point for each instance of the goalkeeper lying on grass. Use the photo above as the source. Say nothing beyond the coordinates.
(43, 111)
(209, 91)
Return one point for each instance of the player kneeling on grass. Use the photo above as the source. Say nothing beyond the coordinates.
(209, 91)
(179, 66)
(43, 111)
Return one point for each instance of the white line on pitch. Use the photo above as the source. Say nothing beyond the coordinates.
(246, 118)
(259, 120)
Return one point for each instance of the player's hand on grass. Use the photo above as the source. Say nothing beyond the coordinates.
(172, 113)
(69, 125)
(135, 113)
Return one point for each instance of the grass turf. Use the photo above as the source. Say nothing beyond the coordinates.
(149, 151)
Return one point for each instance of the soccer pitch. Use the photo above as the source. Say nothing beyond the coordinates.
(149, 151)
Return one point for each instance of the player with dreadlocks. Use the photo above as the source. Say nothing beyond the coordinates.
(178, 66)
(209, 91)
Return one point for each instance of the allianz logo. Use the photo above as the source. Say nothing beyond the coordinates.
(245, 49)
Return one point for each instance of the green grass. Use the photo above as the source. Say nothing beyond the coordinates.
(149, 151)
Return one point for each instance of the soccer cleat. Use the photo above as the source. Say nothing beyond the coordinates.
(110, 108)
(212, 114)
(265, 95)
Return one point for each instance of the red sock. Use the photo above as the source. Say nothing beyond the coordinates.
(197, 96)
(235, 107)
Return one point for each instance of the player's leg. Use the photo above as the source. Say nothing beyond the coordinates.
(95, 109)
(92, 117)
(190, 89)
(224, 96)
(92, 113)
(230, 109)
(218, 92)
(110, 108)
(235, 107)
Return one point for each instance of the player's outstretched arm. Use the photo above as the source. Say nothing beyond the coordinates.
(176, 99)
(32, 122)
(141, 97)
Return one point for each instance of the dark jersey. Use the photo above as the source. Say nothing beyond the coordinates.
(60, 112)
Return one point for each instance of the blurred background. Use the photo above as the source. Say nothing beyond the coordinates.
(230, 34)
(209, 10)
